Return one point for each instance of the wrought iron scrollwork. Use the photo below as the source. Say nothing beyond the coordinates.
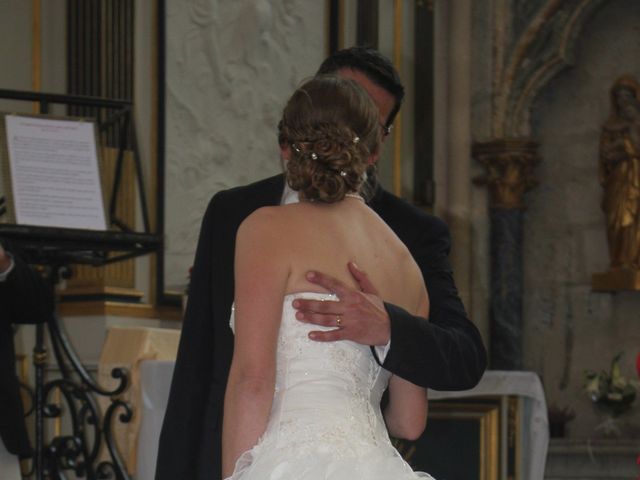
(87, 448)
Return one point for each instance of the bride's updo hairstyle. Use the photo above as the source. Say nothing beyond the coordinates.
(330, 125)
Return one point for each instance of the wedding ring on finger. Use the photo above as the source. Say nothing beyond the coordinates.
(338, 320)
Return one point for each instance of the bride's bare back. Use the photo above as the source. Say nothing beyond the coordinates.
(325, 237)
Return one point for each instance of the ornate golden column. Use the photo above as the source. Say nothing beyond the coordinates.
(510, 164)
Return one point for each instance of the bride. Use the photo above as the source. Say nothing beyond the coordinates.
(297, 409)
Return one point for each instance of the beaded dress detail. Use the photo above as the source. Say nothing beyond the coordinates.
(325, 421)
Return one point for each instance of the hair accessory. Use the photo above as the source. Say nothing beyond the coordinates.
(314, 156)
(356, 139)
(343, 173)
(295, 147)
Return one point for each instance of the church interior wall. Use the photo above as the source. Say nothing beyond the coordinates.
(481, 68)
(15, 49)
(568, 327)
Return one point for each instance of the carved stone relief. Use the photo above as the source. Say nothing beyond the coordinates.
(230, 66)
(510, 165)
(529, 54)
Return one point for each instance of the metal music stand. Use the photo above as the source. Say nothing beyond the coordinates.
(57, 248)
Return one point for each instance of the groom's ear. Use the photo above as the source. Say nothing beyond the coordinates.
(373, 159)
(285, 151)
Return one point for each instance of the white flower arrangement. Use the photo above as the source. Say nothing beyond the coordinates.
(610, 390)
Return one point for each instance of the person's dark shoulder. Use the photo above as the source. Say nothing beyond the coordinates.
(266, 191)
(409, 222)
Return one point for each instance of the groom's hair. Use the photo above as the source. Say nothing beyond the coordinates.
(374, 65)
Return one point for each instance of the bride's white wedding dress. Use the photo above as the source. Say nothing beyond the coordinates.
(325, 422)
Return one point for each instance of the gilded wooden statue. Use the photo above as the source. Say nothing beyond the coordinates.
(619, 172)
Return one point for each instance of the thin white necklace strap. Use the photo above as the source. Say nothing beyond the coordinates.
(354, 195)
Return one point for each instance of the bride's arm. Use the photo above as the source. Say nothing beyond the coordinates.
(406, 412)
(261, 273)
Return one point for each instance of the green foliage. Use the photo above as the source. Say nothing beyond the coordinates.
(611, 391)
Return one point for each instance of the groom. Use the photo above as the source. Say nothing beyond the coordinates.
(24, 298)
(445, 353)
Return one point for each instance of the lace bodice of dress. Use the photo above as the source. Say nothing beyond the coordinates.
(327, 395)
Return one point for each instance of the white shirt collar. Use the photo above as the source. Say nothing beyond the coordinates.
(289, 195)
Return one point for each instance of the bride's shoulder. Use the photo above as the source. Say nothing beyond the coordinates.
(266, 221)
(261, 233)
(261, 218)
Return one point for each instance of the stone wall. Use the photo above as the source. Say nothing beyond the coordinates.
(569, 328)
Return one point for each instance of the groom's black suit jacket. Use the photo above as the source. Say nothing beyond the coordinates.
(445, 353)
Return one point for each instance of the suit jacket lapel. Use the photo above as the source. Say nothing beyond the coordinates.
(376, 200)
(272, 193)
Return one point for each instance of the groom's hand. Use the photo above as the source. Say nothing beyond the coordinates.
(359, 315)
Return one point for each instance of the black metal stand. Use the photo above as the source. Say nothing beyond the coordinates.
(90, 429)
(118, 121)
(79, 450)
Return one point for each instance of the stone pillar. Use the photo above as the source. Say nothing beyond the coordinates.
(458, 138)
(509, 164)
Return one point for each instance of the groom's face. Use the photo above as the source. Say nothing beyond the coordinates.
(383, 99)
